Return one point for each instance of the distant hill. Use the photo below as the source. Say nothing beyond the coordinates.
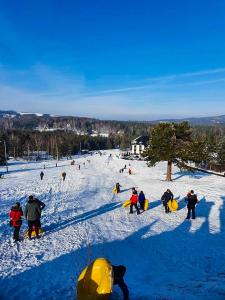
(208, 121)
(81, 125)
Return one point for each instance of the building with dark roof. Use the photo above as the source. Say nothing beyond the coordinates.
(139, 144)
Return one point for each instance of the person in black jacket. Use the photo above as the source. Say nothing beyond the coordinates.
(192, 201)
(63, 176)
(118, 274)
(166, 197)
(118, 186)
(33, 215)
(42, 175)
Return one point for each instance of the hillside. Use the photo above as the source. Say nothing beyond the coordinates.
(167, 257)
(81, 125)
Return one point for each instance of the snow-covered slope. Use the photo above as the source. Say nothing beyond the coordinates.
(167, 257)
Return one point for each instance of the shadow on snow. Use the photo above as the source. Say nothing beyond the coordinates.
(176, 264)
(83, 217)
(195, 175)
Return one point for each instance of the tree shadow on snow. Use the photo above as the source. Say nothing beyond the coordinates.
(32, 169)
(195, 175)
(80, 218)
(182, 203)
(154, 204)
(184, 263)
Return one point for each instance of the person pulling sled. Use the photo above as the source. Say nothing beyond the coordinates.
(134, 200)
(118, 186)
(141, 200)
(166, 197)
(33, 215)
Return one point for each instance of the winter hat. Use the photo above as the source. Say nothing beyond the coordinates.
(192, 192)
(18, 204)
(31, 197)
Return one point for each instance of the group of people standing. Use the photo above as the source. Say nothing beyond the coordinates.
(135, 198)
(32, 214)
(191, 200)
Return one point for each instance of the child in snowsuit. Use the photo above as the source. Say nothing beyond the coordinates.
(64, 176)
(42, 175)
(192, 201)
(118, 274)
(166, 197)
(15, 220)
(129, 171)
(134, 200)
(141, 200)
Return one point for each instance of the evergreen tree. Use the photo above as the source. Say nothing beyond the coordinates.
(169, 142)
(220, 153)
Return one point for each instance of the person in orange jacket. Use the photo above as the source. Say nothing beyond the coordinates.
(134, 200)
(15, 215)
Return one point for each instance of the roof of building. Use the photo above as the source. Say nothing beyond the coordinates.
(141, 140)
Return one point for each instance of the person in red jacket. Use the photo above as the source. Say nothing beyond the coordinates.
(134, 200)
(15, 215)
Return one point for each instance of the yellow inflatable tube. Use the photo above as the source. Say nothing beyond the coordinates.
(33, 233)
(115, 190)
(173, 205)
(95, 281)
(127, 203)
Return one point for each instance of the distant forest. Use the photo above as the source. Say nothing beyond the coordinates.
(23, 133)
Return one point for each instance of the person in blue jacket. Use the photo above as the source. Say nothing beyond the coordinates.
(141, 200)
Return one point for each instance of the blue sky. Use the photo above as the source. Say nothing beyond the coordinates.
(114, 59)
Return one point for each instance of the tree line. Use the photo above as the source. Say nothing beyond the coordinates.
(176, 143)
(181, 145)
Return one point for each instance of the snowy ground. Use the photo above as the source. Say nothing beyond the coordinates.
(167, 257)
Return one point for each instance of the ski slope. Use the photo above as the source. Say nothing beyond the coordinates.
(167, 257)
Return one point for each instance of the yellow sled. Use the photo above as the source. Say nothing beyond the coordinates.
(115, 190)
(95, 281)
(127, 203)
(146, 204)
(33, 234)
(173, 205)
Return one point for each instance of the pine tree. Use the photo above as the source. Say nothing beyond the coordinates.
(220, 153)
(169, 142)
